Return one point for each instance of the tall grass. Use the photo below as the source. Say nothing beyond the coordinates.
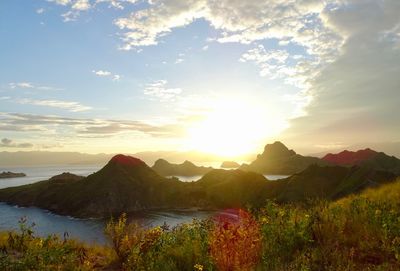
(360, 232)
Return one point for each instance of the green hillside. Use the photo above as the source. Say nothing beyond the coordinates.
(358, 232)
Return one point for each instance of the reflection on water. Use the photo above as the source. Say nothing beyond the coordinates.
(275, 177)
(88, 230)
(47, 223)
(197, 177)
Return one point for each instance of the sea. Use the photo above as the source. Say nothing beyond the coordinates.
(87, 230)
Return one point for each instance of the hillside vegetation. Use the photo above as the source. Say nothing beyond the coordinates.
(127, 184)
(358, 232)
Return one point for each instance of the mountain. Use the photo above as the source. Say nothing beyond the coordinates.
(329, 182)
(125, 184)
(349, 157)
(229, 164)
(367, 158)
(187, 168)
(278, 159)
(233, 188)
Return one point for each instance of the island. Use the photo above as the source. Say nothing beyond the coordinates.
(127, 184)
(9, 174)
(230, 164)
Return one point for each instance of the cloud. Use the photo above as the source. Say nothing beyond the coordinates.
(63, 126)
(272, 63)
(8, 143)
(40, 10)
(118, 4)
(78, 6)
(158, 89)
(342, 55)
(356, 96)
(102, 73)
(29, 85)
(67, 105)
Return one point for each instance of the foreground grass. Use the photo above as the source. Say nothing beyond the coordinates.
(360, 232)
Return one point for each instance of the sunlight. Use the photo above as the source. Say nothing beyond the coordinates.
(234, 127)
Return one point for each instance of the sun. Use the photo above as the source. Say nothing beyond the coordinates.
(233, 127)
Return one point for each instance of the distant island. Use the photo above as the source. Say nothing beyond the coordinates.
(230, 164)
(127, 184)
(187, 168)
(278, 159)
(9, 174)
(367, 158)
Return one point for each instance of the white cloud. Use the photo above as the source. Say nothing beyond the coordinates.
(40, 10)
(118, 4)
(81, 5)
(67, 105)
(29, 85)
(103, 73)
(61, 2)
(21, 85)
(159, 89)
(77, 6)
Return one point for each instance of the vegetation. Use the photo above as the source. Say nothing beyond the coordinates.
(127, 184)
(358, 232)
(187, 168)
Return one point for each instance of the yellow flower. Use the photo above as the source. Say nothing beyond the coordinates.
(198, 267)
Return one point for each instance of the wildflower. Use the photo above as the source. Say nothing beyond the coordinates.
(264, 220)
(198, 267)
(378, 212)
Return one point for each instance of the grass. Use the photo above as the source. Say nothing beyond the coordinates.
(359, 232)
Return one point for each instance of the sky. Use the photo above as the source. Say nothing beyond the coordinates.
(224, 77)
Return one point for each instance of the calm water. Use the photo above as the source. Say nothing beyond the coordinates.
(88, 230)
(197, 177)
(40, 173)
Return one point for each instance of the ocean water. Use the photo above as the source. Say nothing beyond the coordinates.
(88, 230)
(197, 177)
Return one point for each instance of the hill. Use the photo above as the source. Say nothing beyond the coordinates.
(187, 168)
(367, 157)
(127, 184)
(229, 164)
(278, 159)
(358, 232)
(329, 182)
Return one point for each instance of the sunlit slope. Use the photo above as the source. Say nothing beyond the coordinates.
(127, 184)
